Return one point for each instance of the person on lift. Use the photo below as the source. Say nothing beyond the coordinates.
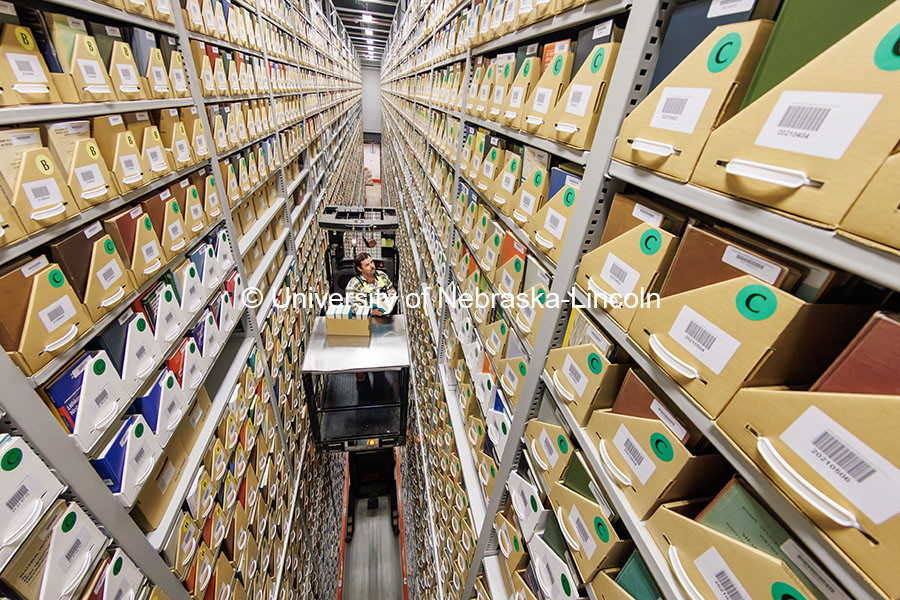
(369, 285)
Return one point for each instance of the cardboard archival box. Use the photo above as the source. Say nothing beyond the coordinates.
(552, 220)
(520, 90)
(635, 263)
(604, 586)
(809, 146)
(485, 91)
(874, 219)
(584, 378)
(123, 73)
(490, 167)
(715, 339)
(649, 464)
(550, 446)
(506, 183)
(181, 546)
(39, 194)
(839, 446)
(574, 117)
(25, 77)
(89, 179)
(495, 336)
(529, 198)
(710, 562)
(491, 250)
(548, 89)
(551, 569)
(120, 149)
(669, 128)
(506, 75)
(528, 316)
(510, 542)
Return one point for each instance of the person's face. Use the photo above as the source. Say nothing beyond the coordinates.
(367, 268)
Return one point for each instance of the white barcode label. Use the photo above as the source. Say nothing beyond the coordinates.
(23, 139)
(498, 94)
(555, 223)
(549, 448)
(816, 123)
(508, 181)
(526, 203)
(127, 74)
(57, 313)
(515, 97)
(719, 576)
(753, 265)
(507, 282)
(703, 339)
(89, 176)
(489, 255)
(130, 165)
(91, 71)
(647, 215)
(586, 540)
(109, 274)
(26, 67)
(469, 220)
(575, 375)
(638, 460)
(42, 193)
(67, 560)
(180, 83)
(857, 471)
(34, 266)
(7, 8)
(141, 352)
(476, 162)
(136, 212)
(163, 7)
(512, 378)
(679, 108)
(602, 30)
(525, 6)
(488, 169)
(196, 16)
(101, 397)
(165, 479)
(182, 151)
(150, 251)
(196, 212)
(155, 156)
(139, 456)
(175, 230)
(528, 313)
(579, 96)
(208, 80)
(721, 8)
(20, 497)
(668, 419)
(619, 274)
(160, 78)
(479, 236)
(200, 143)
(542, 100)
(807, 566)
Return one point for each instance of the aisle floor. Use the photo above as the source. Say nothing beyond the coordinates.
(372, 560)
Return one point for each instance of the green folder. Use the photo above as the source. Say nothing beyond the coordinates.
(804, 29)
(635, 579)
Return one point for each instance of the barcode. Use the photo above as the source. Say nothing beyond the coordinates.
(108, 275)
(553, 221)
(852, 463)
(574, 374)
(804, 118)
(749, 260)
(141, 351)
(100, 398)
(727, 586)
(617, 273)
(548, 446)
(128, 164)
(139, 456)
(16, 500)
(170, 409)
(576, 97)
(169, 317)
(119, 594)
(56, 314)
(674, 105)
(699, 335)
(40, 194)
(90, 69)
(634, 453)
(25, 67)
(86, 176)
(582, 530)
(73, 550)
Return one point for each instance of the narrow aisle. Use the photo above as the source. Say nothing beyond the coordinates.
(372, 569)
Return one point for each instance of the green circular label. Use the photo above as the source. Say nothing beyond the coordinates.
(490, 72)
(517, 265)
(139, 430)
(502, 328)
(534, 504)
(597, 61)
(69, 522)
(569, 197)
(479, 430)
(147, 224)
(756, 302)
(192, 272)
(542, 295)
(168, 295)
(170, 382)
(512, 165)
(595, 364)
(496, 240)
(109, 246)
(99, 367)
(210, 321)
(602, 529)
(481, 147)
(563, 444)
(209, 252)
(503, 428)
(516, 542)
(522, 368)
(175, 208)
(192, 348)
(662, 447)
(651, 241)
(526, 68)
(494, 154)
(557, 65)
(537, 178)
(483, 221)
(887, 52)
(212, 181)
(194, 193)
(567, 587)
(141, 324)
(783, 591)
(489, 385)
(493, 472)
(117, 566)
(11, 459)
(724, 52)
(506, 70)
(56, 278)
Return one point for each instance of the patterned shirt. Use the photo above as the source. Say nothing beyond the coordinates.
(359, 290)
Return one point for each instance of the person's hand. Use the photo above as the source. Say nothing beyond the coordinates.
(377, 312)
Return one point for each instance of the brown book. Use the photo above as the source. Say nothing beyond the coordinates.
(627, 212)
(704, 258)
(73, 255)
(869, 363)
(637, 399)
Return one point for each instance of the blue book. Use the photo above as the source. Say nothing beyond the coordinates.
(560, 178)
(64, 391)
(110, 465)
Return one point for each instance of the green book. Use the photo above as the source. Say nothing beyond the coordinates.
(105, 36)
(804, 29)
(63, 30)
(635, 579)
(735, 512)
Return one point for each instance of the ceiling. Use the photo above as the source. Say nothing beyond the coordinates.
(369, 47)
